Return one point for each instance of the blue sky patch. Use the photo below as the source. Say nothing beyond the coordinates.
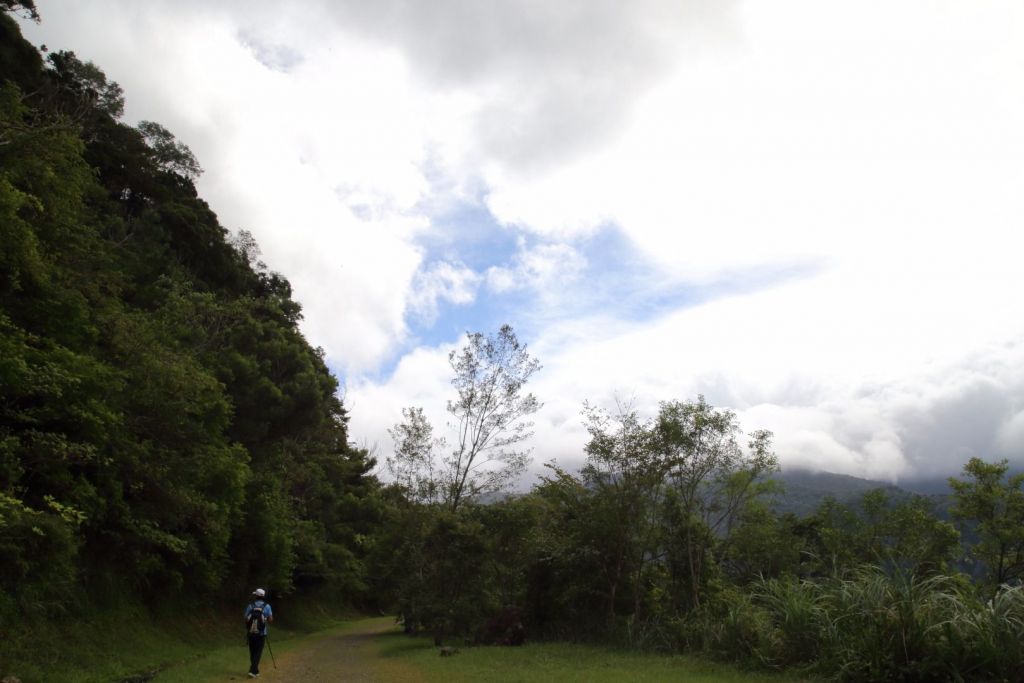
(605, 275)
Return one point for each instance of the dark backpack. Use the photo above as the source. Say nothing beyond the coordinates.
(257, 620)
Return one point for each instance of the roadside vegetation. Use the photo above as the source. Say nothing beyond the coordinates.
(376, 649)
(169, 440)
(132, 641)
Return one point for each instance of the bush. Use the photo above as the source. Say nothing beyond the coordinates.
(876, 626)
(731, 626)
(886, 627)
(798, 623)
(38, 549)
(986, 637)
(870, 626)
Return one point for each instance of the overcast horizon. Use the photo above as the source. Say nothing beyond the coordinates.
(806, 211)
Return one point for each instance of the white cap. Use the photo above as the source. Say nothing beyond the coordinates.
(259, 592)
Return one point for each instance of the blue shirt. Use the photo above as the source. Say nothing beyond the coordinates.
(267, 612)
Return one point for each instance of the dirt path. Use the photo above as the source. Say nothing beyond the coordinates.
(351, 655)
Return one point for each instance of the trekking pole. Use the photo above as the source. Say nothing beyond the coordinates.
(271, 651)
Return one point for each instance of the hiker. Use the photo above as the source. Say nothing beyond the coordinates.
(257, 615)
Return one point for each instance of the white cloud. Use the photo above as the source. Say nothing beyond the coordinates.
(1010, 438)
(542, 268)
(553, 79)
(322, 165)
(832, 144)
(452, 282)
(420, 379)
(837, 398)
(878, 145)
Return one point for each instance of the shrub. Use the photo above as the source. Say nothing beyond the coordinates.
(870, 626)
(732, 626)
(797, 621)
(886, 627)
(985, 638)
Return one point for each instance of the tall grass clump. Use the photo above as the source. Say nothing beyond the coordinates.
(900, 627)
(879, 625)
(888, 627)
(986, 638)
(731, 627)
(872, 625)
(797, 622)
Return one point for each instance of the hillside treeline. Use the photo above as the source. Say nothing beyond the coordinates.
(164, 426)
(667, 539)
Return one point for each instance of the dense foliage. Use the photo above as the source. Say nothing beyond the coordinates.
(164, 425)
(667, 540)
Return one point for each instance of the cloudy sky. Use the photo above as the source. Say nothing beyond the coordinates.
(808, 211)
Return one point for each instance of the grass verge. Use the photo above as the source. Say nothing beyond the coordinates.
(392, 656)
(130, 642)
(545, 662)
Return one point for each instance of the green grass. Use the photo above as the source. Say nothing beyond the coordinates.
(561, 662)
(394, 656)
(102, 647)
(129, 640)
(209, 648)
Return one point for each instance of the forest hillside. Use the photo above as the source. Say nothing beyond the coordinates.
(164, 425)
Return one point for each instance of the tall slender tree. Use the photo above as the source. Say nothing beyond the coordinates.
(489, 424)
(627, 475)
(490, 414)
(712, 478)
(413, 464)
(993, 500)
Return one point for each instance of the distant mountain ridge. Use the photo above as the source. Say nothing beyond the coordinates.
(806, 489)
